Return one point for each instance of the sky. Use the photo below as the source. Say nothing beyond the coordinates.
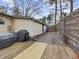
(45, 9)
(76, 4)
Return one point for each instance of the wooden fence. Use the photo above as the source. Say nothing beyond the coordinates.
(69, 29)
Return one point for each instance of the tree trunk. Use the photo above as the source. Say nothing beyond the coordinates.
(71, 5)
(55, 13)
(60, 10)
(60, 15)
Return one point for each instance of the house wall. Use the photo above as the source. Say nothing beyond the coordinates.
(8, 23)
(32, 27)
(45, 28)
(16, 24)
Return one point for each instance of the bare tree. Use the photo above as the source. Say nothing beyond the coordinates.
(15, 8)
(29, 7)
(60, 10)
(16, 11)
(54, 2)
(55, 12)
(71, 4)
(2, 9)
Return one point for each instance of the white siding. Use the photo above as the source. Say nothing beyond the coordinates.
(32, 27)
(13, 24)
(45, 28)
(4, 27)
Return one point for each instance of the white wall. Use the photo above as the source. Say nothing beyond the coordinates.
(33, 27)
(3, 28)
(45, 28)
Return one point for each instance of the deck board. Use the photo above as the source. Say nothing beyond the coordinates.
(71, 54)
(58, 52)
(33, 52)
(15, 49)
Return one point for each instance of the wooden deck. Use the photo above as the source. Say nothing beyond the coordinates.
(56, 49)
(48, 46)
(15, 49)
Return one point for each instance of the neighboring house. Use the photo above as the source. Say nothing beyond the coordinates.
(15, 23)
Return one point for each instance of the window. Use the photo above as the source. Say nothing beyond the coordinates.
(2, 21)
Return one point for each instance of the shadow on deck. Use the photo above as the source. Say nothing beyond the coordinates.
(56, 48)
